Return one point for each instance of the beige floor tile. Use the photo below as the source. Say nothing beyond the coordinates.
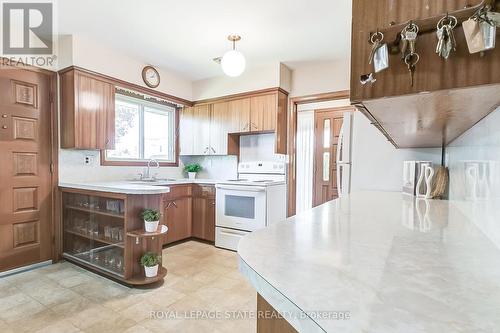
(140, 311)
(90, 316)
(62, 326)
(66, 298)
(137, 329)
(25, 311)
(112, 324)
(13, 300)
(76, 305)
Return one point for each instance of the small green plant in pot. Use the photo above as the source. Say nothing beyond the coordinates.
(151, 219)
(151, 261)
(192, 169)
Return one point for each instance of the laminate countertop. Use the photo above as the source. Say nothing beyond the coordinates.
(135, 186)
(378, 262)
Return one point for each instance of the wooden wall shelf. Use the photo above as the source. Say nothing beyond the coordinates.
(428, 24)
(448, 96)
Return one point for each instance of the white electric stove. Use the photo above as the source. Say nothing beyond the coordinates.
(253, 201)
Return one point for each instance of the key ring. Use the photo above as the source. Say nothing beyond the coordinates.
(408, 59)
(379, 35)
(447, 20)
(411, 27)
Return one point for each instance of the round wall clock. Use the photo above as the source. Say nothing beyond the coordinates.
(151, 76)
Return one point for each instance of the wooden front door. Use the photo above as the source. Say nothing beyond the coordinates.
(327, 125)
(26, 230)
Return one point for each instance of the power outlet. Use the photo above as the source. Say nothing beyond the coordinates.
(89, 160)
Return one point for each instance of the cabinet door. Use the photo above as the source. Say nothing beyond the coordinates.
(204, 218)
(263, 111)
(94, 113)
(201, 130)
(240, 115)
(219, 126)
(178, 219)
(186, 124)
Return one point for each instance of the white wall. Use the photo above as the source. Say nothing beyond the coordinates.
(376, 164)
(100, 58)
(474, 163)
(250, 80)
(320, 77)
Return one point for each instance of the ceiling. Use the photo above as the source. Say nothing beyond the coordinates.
(186, 35)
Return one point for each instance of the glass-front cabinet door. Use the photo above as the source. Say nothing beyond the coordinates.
(94, 231)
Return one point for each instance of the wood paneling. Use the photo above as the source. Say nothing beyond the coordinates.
(270, 320)
(26, 141)
(431, 112)
(432, 119)
(26, 234)
(87, 111)
(25, 164)
(25, 128)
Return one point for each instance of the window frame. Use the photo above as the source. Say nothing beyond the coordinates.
(137, 162)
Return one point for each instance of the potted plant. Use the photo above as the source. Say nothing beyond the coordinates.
(151, 262)
(151, 219)
(192, 169)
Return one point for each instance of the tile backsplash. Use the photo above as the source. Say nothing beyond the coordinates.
(72, 168)
(474, 163)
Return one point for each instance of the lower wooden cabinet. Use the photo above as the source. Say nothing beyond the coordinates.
(189, 211)
(204, 213)
(177, 217)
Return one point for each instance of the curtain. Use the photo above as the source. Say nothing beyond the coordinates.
(305, 159)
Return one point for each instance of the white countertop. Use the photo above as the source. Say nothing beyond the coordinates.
(390, 263)
(134, 186)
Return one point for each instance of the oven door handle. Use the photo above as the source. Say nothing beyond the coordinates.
(242, 188)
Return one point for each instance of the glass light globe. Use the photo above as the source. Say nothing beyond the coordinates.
(233, 63)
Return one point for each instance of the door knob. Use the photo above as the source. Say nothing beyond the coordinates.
(4, 127)
(4, 116)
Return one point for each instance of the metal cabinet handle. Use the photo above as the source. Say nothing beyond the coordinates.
(255, 126)
(213, 150)
(173, 203)
(168, 206)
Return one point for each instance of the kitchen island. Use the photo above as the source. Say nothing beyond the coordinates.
(377, 262)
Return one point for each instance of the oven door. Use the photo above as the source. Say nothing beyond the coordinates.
(241, 207)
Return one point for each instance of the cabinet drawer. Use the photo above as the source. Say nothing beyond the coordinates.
(204, 191)
(177, 191)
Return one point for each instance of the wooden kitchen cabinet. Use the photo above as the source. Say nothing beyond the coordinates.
(213, 128)
(263, 113)
(194, 131)
(87, 111)
(204, 212)
(177, 213)
(240, 115)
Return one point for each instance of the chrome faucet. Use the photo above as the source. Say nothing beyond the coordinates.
(147, 176)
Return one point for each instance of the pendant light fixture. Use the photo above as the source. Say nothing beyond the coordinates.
(233, 63)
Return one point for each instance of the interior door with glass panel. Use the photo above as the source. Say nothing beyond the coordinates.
(328, 124)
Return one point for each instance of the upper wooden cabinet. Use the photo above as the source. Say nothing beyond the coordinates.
(87, 111)
(263, 112)
(448, 96)
(213, 128)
